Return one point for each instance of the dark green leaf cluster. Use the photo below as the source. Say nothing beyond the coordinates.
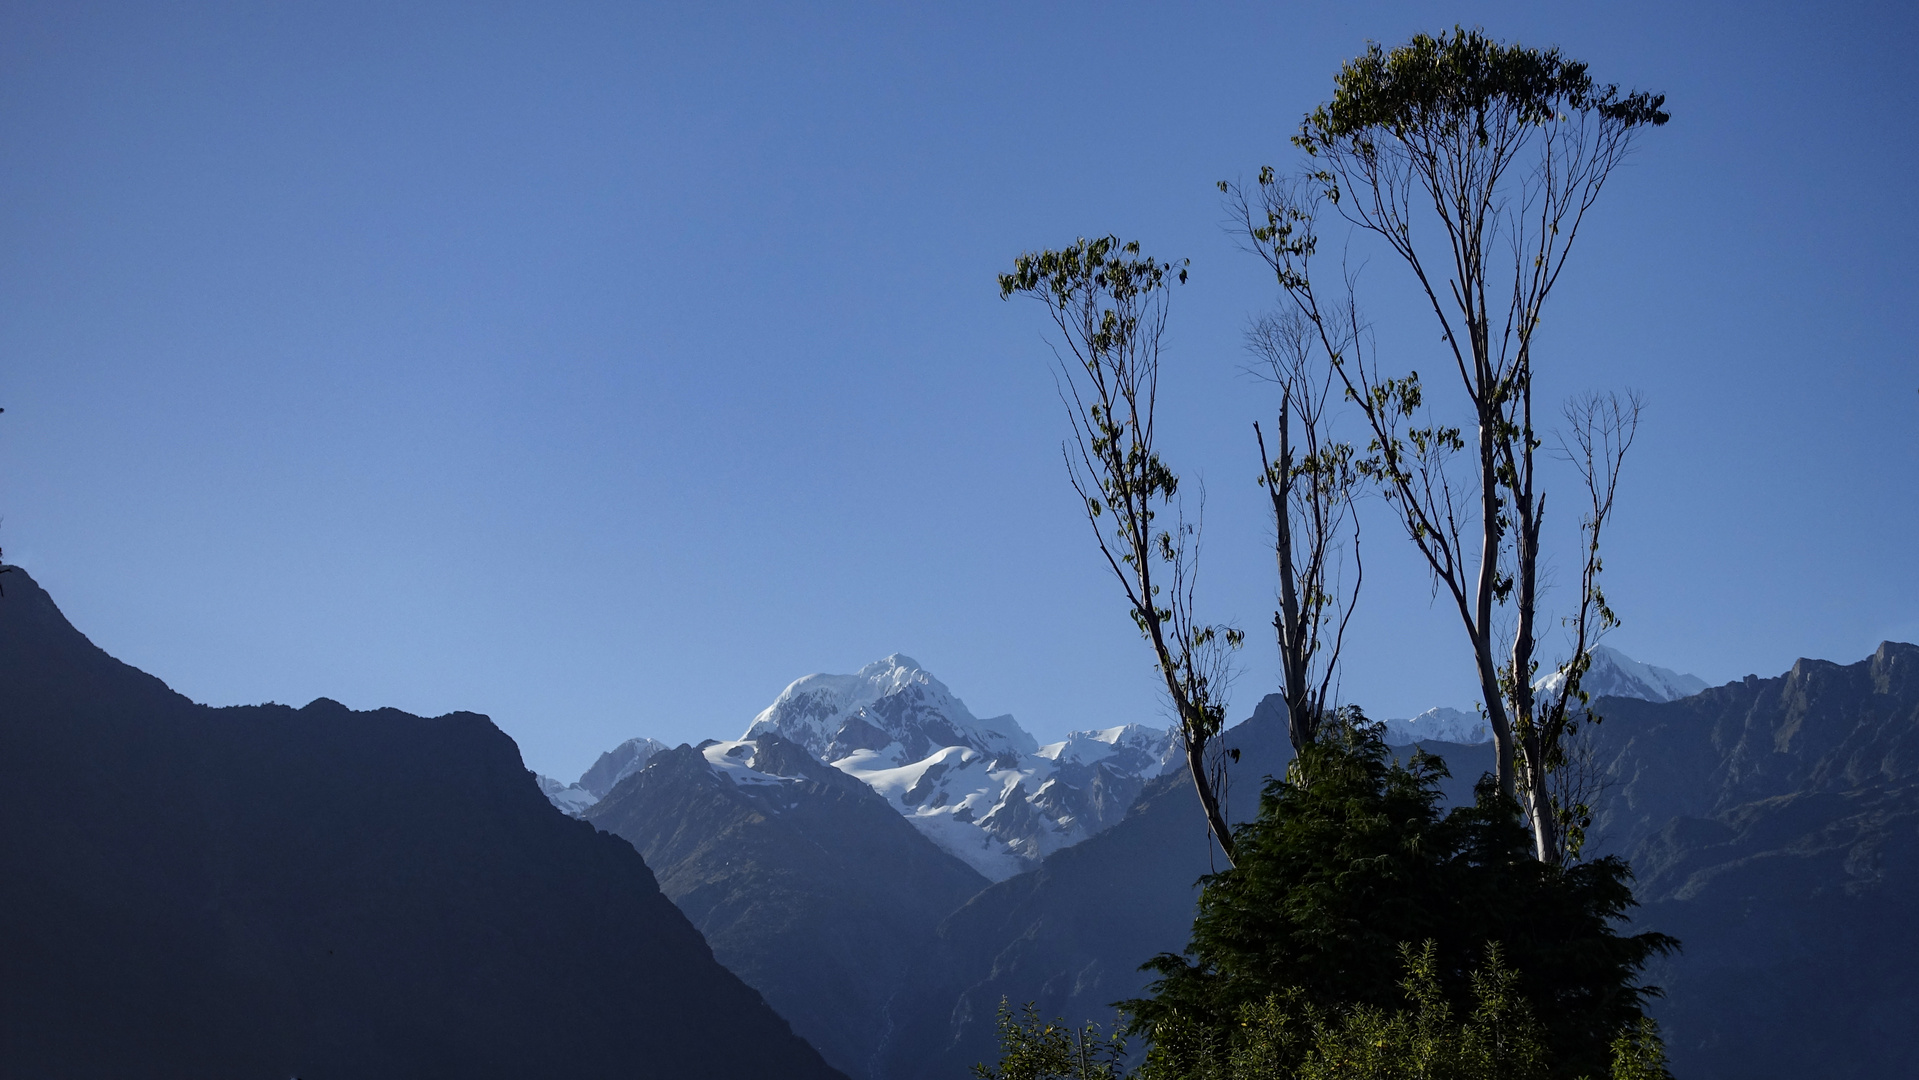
(1108, 264)
(1457, 82)
(1351, 856)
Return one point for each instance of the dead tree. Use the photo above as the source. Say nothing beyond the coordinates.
(1311, 483)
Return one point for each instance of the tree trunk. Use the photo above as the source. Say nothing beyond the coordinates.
(1539, 794)
(1208, 799)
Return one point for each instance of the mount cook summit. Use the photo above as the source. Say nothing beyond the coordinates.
(985, 790)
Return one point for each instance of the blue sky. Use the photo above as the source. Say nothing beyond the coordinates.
(603, 368)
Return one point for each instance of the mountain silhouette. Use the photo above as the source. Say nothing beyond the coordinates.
(267, 891)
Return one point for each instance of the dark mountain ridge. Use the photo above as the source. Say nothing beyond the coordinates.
(1774, 827)
(807, 883)
(268, 891)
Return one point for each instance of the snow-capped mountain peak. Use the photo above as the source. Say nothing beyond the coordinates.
(890, 702)
(1440, 725)
(1133, 748)
(1612, 674)
(983, 790)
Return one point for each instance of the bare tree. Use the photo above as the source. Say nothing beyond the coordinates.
(1109, 304)
(1559, 765)
(1311, 482)
(1475, 163)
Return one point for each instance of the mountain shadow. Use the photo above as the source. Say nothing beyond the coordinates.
(266, 891)
(806, 882)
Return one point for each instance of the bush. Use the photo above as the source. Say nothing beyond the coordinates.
(1288, 1037)
(1031, 1050)
(1350, 858)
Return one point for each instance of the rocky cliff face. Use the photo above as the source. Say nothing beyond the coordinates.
(268, 891)
(1774, 826)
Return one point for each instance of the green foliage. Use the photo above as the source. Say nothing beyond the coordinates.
(1107, 298)
(1107, 265)
(1637, 1054)
(1498, 1040)
(1350, 857)
(1463, 83)
(1033, 1050)
(1287, 1036)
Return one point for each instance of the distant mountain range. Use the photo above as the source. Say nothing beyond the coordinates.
(984, 791)
(1773, 824)
(1612, 674)
(1774, 827)
(821, 853)
(613, 766)
(267, 891)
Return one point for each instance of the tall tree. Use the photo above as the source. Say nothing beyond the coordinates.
(1311, 481)
(1475, 162)
(1109, 304)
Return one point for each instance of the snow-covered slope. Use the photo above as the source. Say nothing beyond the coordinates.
(1613, 674)
(1440, 725)
(892, 699)
(983, 790)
